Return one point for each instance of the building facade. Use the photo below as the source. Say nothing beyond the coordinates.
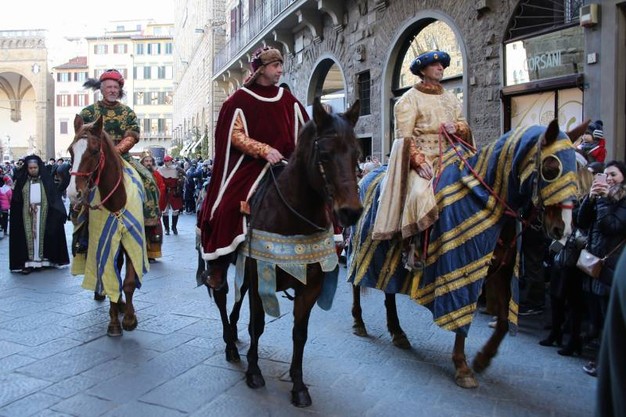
(143, 52)
(70, 97)
(26, 91)
(513, 62)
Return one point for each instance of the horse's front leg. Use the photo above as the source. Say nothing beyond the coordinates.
(464, 377)
(254, 378)
(130, 283)
(306, 296)
(499, 285)
(233, 318)
(220, 296)
(398, 337)
(358, 327)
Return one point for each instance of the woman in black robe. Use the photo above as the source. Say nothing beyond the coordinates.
(52, 219)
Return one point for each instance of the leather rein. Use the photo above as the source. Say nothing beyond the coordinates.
(328, 189)
(97, 172)
(538, 209)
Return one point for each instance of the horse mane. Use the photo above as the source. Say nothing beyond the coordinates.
(107, 145)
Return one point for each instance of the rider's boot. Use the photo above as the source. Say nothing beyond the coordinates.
(216, 277)
(166, 223)
(174, 223)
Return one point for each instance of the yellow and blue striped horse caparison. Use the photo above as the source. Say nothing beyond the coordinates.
(108, 232)
(462, 241)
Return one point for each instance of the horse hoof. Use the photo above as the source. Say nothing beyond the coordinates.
(114, 330)
(232, 356)
(466, 381)
(400, 340)
(129, 323)
(481, 362)
(301, 398)
(255, 381)
(359, 330)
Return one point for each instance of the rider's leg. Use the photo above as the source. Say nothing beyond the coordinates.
(175, 221)
(217, 272)
(166, 220)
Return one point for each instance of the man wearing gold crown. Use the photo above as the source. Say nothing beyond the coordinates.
(407, 204)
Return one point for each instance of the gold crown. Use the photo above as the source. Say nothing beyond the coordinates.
(146, 154)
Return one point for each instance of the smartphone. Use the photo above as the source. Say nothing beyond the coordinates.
(600, 178)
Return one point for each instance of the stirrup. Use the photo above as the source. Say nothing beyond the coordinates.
(205, 276)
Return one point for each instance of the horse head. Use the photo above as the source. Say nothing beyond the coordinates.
(90, 151)
(332, 160)
(555, 183)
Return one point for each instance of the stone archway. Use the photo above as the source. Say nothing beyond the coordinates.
(328, 82)
(26, 95)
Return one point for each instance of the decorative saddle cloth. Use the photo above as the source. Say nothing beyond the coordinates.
(292, 254)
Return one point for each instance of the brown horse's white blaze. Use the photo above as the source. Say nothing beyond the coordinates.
(77, 150)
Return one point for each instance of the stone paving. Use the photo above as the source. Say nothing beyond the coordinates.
(56, 360)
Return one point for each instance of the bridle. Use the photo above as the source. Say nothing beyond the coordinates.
(536, 217)
(328, 189)
(97, 172)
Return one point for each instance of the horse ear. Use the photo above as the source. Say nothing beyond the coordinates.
(353, 113)
(552, 132)
(578, 131)
(319, 113)
(78, 123)
(97, 126)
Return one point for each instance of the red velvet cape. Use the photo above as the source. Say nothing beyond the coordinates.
(271, 115)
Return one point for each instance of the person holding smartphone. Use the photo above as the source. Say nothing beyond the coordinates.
(603, 214)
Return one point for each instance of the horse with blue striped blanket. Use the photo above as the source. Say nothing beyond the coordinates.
(109, 193)
(476, 192)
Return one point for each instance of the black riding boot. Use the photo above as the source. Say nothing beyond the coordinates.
(174, 223)
(166, 223)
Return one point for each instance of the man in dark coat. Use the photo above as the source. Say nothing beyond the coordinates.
(612, 360)
(37, 232)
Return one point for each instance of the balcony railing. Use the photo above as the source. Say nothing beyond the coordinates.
(262, 17)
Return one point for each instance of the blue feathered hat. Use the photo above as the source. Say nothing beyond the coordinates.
(428, 58)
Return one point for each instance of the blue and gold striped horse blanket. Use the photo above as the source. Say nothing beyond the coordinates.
(462, 241)
(109, 233)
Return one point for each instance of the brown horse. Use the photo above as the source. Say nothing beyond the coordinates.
(377, 264)
(108, 194)
(295, 210)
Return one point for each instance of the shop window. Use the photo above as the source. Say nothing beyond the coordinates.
(538, 16)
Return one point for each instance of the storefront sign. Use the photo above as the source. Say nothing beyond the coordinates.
(543, 61)
(545, 56)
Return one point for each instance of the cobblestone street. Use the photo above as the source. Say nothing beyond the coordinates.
(56, 360)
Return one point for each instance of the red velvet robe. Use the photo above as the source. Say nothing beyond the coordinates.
(271, 115)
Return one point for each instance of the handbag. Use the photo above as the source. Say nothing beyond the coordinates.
(590, 264)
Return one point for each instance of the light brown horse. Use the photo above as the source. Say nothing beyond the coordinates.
(367, 258)
(320, 178)
(108, 194)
